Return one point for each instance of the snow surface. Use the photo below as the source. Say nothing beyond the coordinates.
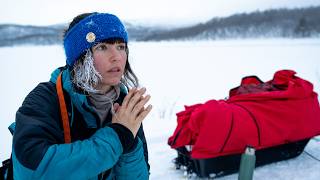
(176, 74)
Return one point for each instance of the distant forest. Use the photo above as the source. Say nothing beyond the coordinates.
(274, 23)
(287, 23)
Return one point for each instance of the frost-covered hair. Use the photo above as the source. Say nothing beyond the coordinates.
(85, 75)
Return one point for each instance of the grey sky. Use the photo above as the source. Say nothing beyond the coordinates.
(45, 12)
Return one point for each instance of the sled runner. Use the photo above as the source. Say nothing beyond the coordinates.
(228, 164)
(277, 118)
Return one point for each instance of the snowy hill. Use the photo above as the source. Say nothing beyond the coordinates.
(19, 34)
(285, 23)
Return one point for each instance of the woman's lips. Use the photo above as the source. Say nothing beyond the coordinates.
(115, 69)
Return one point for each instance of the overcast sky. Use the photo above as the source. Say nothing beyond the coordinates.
(45, 12)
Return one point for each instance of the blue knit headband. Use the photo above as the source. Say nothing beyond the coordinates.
(91, 30)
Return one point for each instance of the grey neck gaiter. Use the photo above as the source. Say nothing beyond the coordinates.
(103, 103)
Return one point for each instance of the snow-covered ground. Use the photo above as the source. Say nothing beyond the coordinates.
(176, 74)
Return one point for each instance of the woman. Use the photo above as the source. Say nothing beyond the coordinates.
(107, 138)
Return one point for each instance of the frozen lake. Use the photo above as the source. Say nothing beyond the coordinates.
(175, 74)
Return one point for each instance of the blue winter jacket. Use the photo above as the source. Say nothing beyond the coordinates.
(96, 152)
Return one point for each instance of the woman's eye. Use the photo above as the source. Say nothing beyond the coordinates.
(101, 47)
(121, 47)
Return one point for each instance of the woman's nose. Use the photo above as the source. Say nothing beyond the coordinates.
(115, 53)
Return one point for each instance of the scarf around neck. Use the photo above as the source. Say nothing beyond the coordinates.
(102, 103)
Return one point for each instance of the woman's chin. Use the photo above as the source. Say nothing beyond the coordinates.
(112, 82)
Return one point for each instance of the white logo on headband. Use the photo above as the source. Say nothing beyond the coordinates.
(91, 37)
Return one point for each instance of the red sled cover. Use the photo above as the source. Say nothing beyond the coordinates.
(258, 114)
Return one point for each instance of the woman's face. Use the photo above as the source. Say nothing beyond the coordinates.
(109, 61)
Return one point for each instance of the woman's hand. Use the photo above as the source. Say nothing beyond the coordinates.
(132, 111)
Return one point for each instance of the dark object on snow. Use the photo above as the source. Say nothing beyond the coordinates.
(224, 165)
(277, 118)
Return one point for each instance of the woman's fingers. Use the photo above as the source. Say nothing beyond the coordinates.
(144, 113)
(135, 99)
(116, 107)
(133, 106)
(132, 111)
(140, 105)
(126, 100)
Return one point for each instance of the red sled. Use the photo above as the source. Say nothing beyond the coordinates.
(277, 118)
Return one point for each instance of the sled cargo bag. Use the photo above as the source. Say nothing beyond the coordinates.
(277, 118)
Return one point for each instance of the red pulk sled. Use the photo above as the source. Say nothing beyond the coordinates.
(277, 118)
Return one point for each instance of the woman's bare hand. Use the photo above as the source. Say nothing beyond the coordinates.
(132, 111)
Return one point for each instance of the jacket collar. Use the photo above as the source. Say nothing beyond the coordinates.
(78, 99)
